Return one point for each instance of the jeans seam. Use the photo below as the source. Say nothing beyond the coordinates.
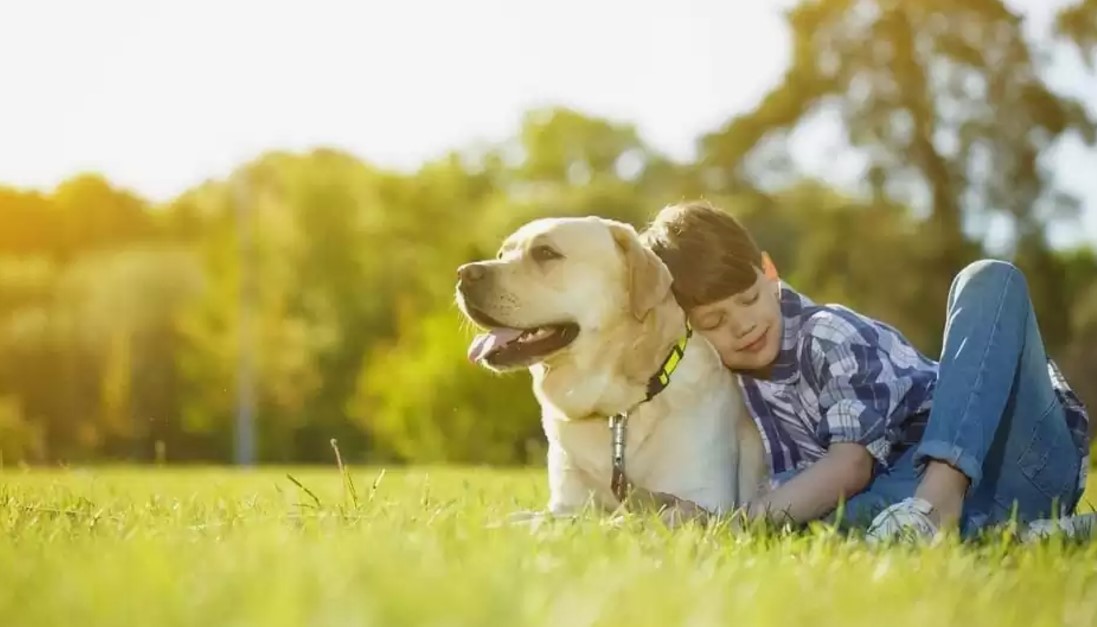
(979, 379)
(1031, 475)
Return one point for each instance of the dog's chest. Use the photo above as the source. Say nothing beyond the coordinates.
(690, 458)
(589, 445)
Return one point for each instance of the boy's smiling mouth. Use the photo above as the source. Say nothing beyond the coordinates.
(757, 344)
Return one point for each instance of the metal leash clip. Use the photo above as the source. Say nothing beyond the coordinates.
(618, 482)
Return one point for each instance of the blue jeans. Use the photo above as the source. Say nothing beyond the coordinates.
(995, 416)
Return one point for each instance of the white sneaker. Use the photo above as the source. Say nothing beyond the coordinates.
(1080, 526)
(907, 518)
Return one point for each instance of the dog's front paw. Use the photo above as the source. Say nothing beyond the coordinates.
(682, 513)
(671, 510)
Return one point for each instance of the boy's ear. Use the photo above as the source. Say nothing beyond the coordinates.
(768, 267)
(649, 278)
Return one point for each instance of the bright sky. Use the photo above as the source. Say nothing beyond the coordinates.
(161, 95)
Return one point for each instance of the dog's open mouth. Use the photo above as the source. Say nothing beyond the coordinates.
(507, 347)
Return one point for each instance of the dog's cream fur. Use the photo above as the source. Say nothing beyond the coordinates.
(694, 440)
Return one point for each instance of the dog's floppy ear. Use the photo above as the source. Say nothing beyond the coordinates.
(649, 278)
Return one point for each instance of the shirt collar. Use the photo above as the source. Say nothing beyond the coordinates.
(786, 366)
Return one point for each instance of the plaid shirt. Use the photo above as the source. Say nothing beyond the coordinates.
(843, 377)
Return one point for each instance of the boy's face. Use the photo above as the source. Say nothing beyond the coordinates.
(745, 328)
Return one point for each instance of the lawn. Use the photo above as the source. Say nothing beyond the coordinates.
(217, 547)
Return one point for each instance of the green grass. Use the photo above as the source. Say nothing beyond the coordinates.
(216, 547)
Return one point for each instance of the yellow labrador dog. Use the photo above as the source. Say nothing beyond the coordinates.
(588, 309)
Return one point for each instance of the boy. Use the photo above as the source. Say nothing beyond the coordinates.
(850, 413)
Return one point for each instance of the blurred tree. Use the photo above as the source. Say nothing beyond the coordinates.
(813, 225)
(425, 402)
(31, 224)
(287, 340)
(1078, 23)
(945, 102)
(20, 439)
(120, 322)
(1079, 353)
(94, 215)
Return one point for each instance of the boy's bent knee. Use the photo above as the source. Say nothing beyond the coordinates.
(992, 277)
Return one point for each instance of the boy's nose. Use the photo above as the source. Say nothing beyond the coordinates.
(744, 330)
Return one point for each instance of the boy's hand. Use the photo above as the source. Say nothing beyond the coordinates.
(844, 471)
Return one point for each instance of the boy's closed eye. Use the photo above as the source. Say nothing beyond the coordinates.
(711, 322)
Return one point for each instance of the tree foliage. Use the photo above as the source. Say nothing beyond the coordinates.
(122, 324)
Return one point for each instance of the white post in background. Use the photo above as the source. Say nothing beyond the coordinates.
(244, 441)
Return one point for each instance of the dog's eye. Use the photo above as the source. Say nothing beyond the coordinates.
(544, 253)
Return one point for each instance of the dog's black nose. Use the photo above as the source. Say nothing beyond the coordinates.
(470, 272)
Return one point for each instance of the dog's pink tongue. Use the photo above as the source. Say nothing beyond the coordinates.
(486, 342)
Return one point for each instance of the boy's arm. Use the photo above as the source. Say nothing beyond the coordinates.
(844, 471)
(856, 393)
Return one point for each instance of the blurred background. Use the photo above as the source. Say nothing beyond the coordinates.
(229, 230)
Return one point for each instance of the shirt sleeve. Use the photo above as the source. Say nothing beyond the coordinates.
(856, 385)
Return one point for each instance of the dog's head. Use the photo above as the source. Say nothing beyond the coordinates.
(556, 284)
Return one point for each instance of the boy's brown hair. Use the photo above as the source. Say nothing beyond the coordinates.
(708, 252)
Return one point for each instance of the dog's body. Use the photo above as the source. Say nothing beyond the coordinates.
(693, 441)
(588, 310)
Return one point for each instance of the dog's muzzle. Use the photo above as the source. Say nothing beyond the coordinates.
(473, 279)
